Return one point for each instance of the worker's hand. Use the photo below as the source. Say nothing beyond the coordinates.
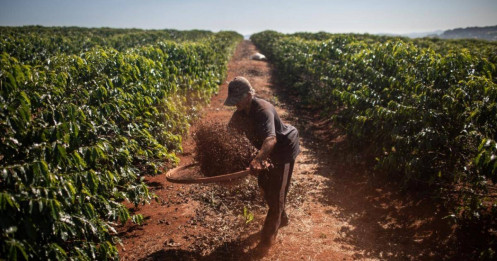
(255, 167)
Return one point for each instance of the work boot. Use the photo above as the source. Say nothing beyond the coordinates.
(263, 247)
(261, 250)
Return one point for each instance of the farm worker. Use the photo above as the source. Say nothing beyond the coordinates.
(276, 141)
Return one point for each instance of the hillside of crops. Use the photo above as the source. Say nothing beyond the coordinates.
(84, 114)
(423, 112)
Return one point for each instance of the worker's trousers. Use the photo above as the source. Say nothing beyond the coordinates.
(275, 183)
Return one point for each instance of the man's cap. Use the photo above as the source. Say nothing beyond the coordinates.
(236, 89)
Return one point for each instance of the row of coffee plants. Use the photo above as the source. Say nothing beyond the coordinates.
(480, 48)
(80, 130)
(35, 44)
(427, 117)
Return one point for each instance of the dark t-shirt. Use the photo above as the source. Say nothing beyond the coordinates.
(261, 122)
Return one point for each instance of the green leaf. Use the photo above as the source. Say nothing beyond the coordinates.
(92, 180)
(483, 142)
(24, 98)
(54, 206)
(477, 159)
(7, 199)
(11, 81)
(62, 152)
(138, 219)
(123, 214)
(59, 252)
(15, 247)
(80, 162)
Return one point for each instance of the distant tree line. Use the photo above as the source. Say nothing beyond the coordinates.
(485, 33)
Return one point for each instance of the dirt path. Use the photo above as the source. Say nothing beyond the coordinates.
(336, 211)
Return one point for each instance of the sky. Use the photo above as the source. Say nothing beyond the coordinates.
(246, 17)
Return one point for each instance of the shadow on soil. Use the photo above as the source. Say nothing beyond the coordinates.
(234, 250)
(385, 223)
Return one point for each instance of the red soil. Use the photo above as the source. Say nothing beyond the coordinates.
(337, 210)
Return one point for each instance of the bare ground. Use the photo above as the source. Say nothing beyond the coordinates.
(337, 210)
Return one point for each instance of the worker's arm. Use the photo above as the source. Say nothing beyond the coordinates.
(267, 147)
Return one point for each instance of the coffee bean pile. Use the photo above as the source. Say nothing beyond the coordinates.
(221, 151)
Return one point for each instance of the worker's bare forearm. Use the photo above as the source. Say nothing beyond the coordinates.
(267, 147)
